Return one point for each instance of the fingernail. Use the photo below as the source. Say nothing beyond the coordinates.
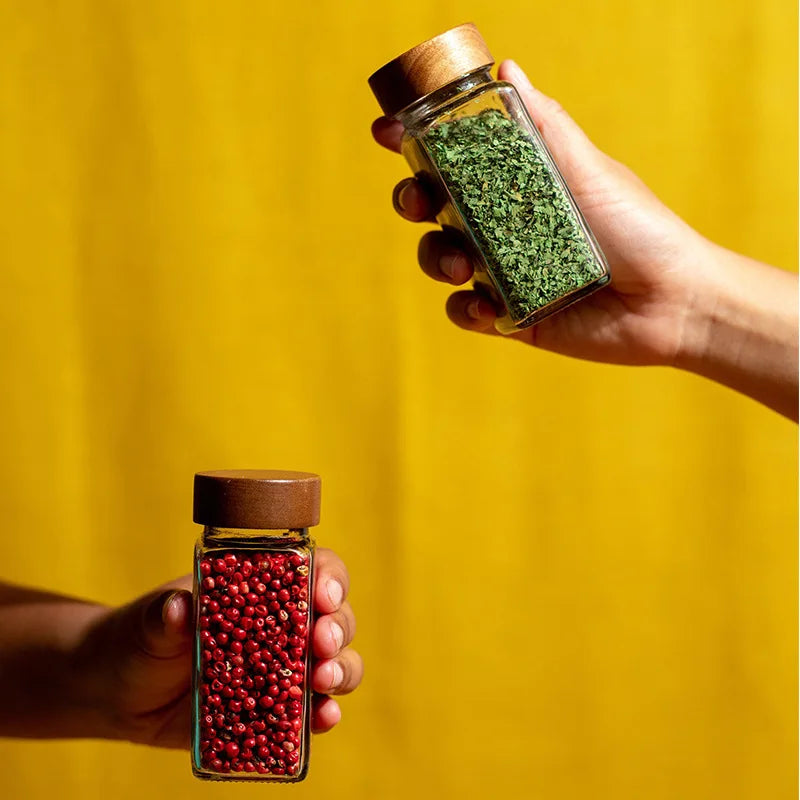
(335, 592)
(338, 675)
(399, 192)
(338, 634)
(474, 309)
(165, 606)
(446, 264)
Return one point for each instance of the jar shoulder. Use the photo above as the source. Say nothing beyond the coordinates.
(495, 94)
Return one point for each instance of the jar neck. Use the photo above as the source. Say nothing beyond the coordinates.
(419, 112)
(224, 537)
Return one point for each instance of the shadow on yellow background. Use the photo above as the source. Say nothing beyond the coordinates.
(572, 580)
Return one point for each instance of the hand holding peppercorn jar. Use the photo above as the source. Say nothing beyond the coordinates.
(471, 140)
(254, 570)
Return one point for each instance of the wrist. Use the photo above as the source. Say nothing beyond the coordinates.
(740, 328)
(709, 313)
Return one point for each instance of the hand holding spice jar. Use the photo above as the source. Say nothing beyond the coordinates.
(79, 669)
(492, 180)
(676, 299)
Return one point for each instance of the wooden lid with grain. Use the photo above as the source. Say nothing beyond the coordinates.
(262, 499)
(429, 66)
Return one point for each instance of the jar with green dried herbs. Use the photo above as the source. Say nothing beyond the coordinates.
(471, 141)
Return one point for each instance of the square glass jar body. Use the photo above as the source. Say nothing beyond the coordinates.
(496, 187)
(251, 683)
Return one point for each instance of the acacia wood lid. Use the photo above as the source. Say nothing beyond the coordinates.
(262, 499)
(429, 66)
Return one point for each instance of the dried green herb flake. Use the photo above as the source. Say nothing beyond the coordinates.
(518, 212)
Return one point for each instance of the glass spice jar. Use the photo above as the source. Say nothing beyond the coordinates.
(253, 579)
(471, 140)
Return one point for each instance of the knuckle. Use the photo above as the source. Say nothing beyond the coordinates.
(359, 662)
(554, 108)
(347, 672)
(345, 576)
(351, 622)
(351, 665)
(345, 621)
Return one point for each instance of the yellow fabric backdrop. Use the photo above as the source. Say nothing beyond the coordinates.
(572, 580)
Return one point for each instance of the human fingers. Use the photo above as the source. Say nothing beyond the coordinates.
(333, 632)
(388, 133)
(325, 713)
(412, 202)
(331, 582)
(339, 675)
(162, 620)
(572, 149)
(442, 258)
(471, 311)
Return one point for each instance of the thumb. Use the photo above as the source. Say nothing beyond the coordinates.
(571, 148)
(163, 622)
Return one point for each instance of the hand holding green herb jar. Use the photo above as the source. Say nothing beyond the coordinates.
(494, 182)
(677, 299)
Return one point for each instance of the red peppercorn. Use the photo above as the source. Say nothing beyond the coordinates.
(232, 749)
(253, 635)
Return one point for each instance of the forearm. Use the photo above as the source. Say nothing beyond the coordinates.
(45, 689)
(743, 329)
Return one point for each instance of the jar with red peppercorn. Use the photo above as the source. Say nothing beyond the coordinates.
(253, 578)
